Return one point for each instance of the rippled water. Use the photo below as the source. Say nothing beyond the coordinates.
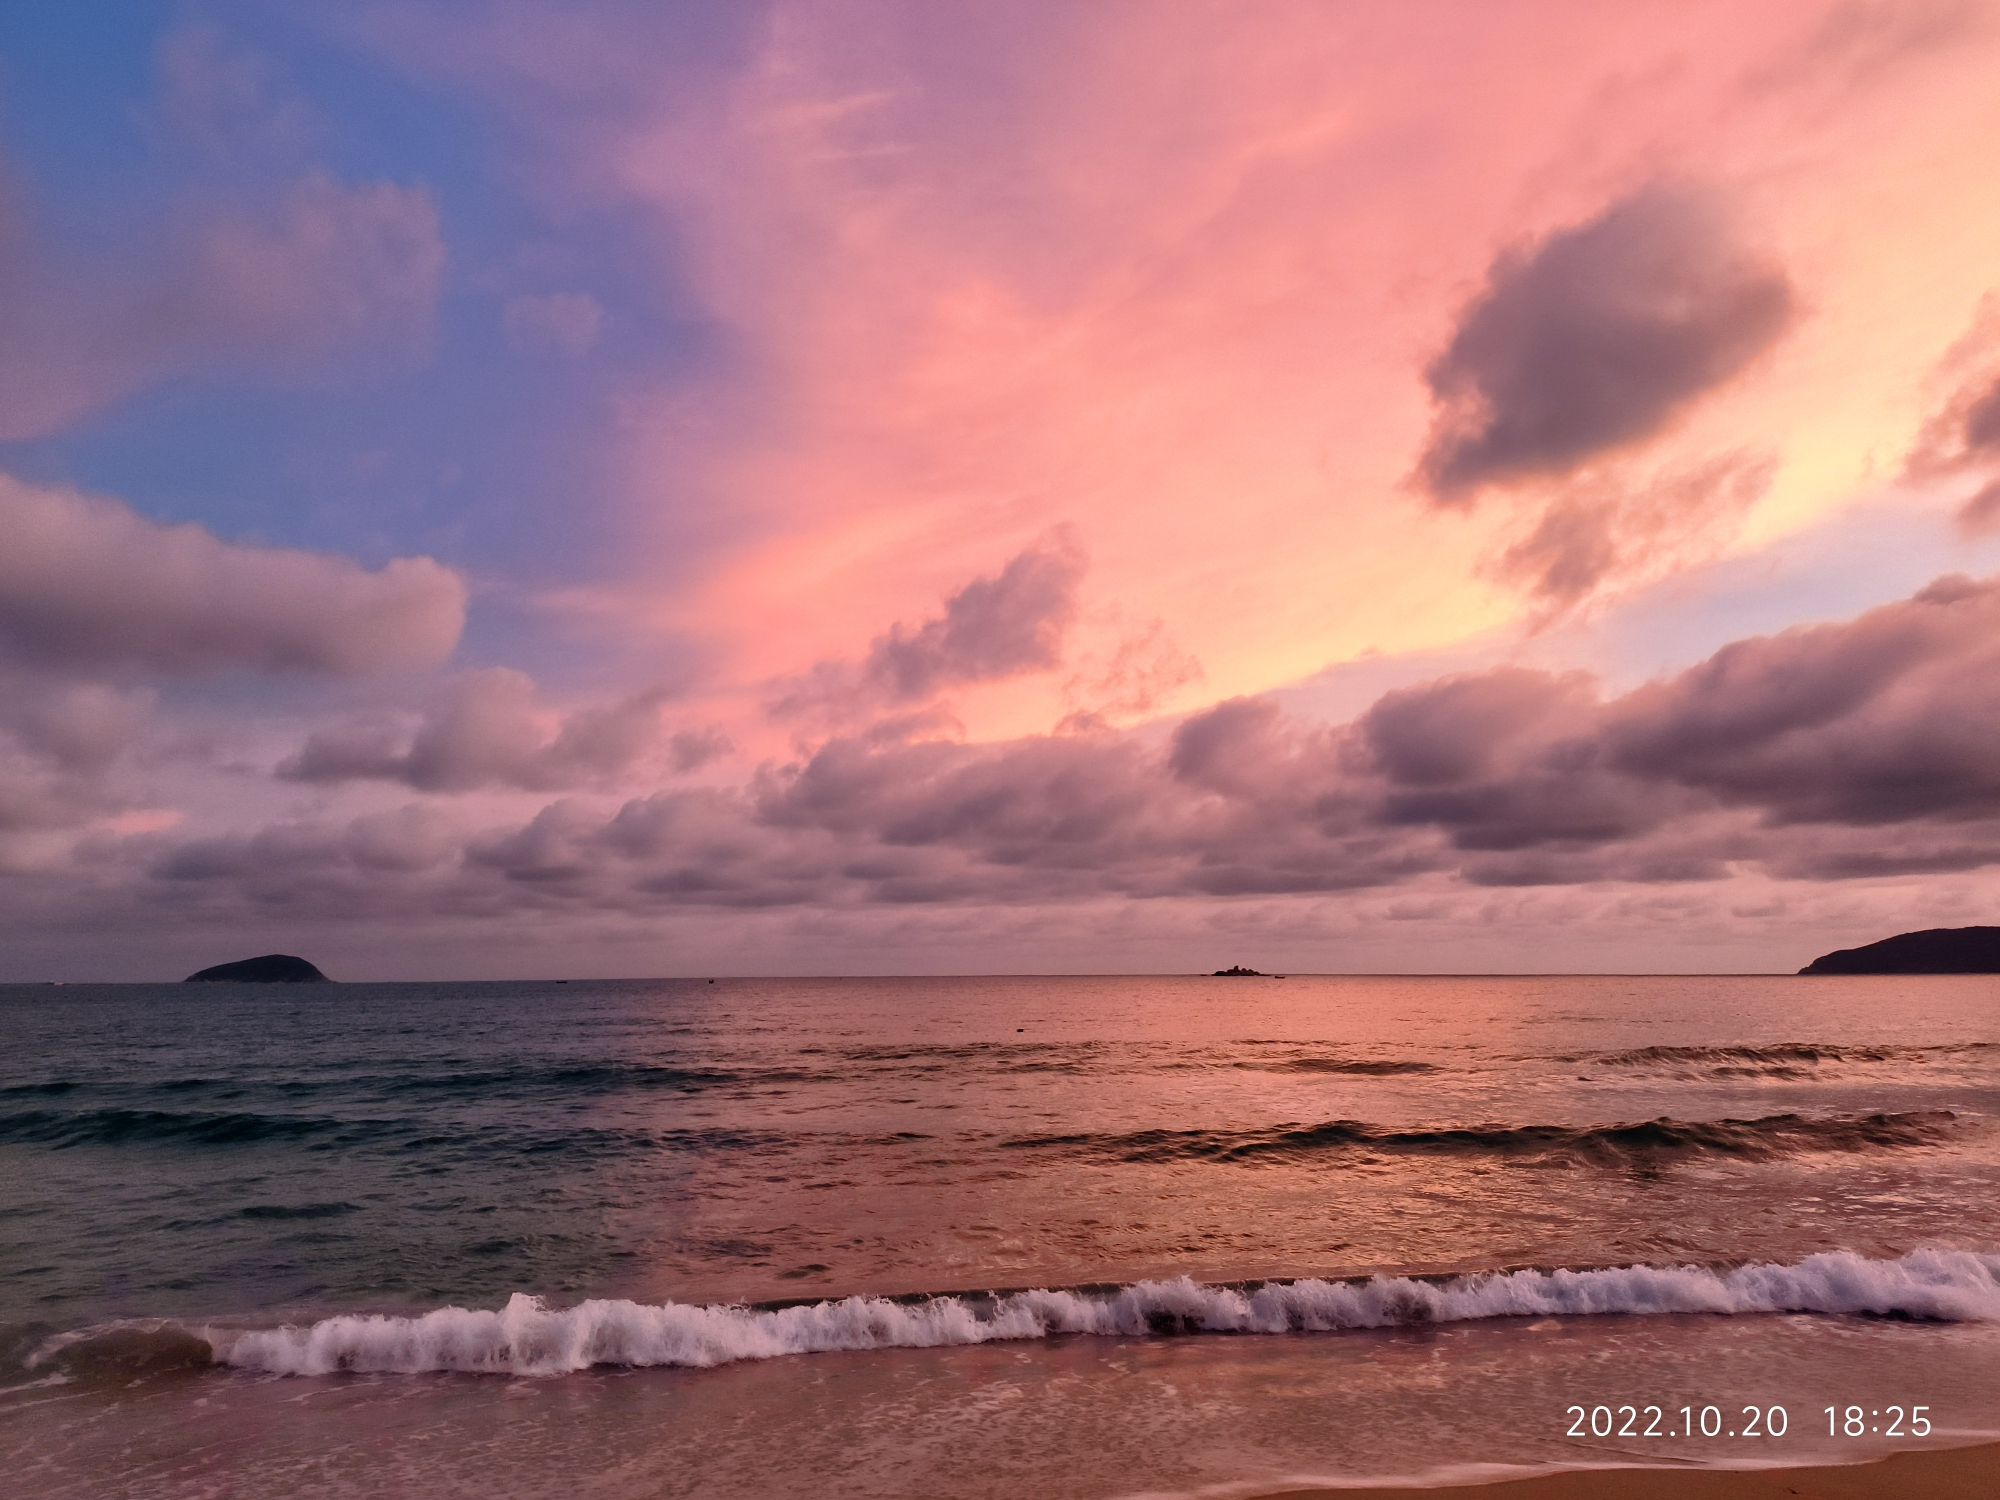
(185, 1169)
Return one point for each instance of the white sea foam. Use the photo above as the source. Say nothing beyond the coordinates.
(527, 1337)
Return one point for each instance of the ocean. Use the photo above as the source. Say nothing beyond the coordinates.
(1063, 1237)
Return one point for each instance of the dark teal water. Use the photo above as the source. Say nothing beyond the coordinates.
(236, 1158)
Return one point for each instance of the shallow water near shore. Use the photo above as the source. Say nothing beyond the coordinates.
(243, 1228)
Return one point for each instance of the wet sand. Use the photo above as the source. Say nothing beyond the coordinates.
(1971, 1473)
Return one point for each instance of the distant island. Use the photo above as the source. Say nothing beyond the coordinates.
(1935, 950)
(1237, 971)
(272, 968)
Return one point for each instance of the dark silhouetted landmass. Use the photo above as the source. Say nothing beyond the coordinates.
(1936, 950)
(272, 968)
(1237, 971)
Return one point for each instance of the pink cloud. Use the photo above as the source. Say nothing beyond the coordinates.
(1175, 280)
(568, 323)
(86, 583)
(491, 729)
(256, 259)
(1844, 751)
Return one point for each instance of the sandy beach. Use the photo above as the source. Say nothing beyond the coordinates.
(1970, 1473)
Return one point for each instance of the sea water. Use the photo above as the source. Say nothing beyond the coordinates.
(1051, 1236)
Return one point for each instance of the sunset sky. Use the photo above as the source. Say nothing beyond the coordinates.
(492, 488)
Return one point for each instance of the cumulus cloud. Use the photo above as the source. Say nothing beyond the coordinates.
(1464, 728)
(1507, 776)
(74, 726)
(1596, 338)
(1003, 625)
(61, 745)
(1876, 720)
(316, 857)
(37, 798)
(87, 582)
(329, 266)
(490, 729)
(1850, 750)
(1243, 747)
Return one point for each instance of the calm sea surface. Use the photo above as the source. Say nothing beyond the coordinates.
(257, 1240)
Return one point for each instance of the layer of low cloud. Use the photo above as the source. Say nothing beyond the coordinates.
(87, 583)
(62, 747)
(490, 729)
(1837, 751)
(302, 856)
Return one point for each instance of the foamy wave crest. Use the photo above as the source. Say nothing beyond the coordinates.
(528, 1338)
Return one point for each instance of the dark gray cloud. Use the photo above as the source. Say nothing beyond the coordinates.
(1003, 625)
(1596, 338)
(1465, 728)
(1879, 720)
(88, 583)
(490, 729)
(1506, 760)
(1242, 747)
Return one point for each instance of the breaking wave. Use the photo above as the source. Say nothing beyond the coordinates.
(1762, 1138)
(527, 1337)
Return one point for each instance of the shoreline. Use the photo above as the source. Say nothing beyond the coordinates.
(1968, 1472)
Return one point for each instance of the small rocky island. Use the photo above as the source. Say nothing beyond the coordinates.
(1935, 950)
(272, 968)
(1237, 971)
